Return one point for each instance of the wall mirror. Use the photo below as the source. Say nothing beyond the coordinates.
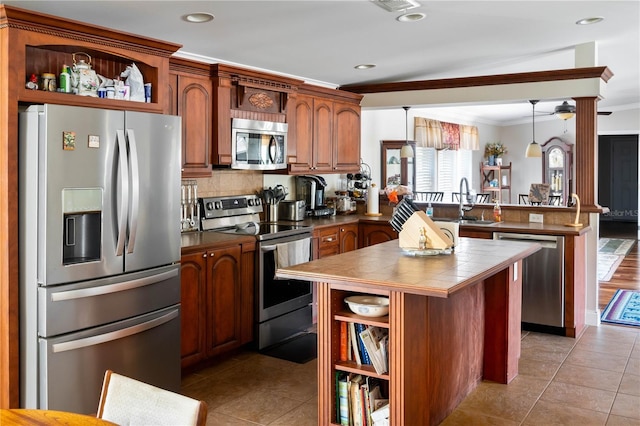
(396, 170)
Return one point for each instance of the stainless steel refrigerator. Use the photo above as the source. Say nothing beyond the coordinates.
(99, 252)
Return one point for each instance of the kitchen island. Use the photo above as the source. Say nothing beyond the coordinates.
(453, 321)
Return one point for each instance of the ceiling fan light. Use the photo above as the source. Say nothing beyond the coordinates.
(565, 111)
(533, 150)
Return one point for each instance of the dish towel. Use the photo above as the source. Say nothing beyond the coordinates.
(293, 253)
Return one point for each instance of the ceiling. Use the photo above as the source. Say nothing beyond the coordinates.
(322, 41)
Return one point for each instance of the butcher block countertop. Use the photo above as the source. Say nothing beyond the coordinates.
(385, 266)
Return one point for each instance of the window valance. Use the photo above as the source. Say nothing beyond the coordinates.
(442, 135)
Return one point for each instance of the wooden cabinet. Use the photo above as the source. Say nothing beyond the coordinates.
(375, 233)
(325, 132)
(557, 164)
(217, 301)
(190, 90)
(334, 240)
(494, 180)
(247, 94)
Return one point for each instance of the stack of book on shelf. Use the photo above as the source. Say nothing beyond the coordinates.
(365, 345)
(359, 401)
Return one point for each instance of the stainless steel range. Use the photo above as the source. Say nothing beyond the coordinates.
(282, 307)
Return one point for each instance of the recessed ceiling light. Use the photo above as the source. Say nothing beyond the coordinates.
(364, 66)
(198, 18)
(589, 21)
(411, 17)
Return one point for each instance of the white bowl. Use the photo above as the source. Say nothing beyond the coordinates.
(368, 306)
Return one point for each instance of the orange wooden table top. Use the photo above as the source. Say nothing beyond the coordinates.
(47, 417)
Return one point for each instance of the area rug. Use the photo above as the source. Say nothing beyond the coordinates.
(624, 308)
(616, 246)
(607, 265)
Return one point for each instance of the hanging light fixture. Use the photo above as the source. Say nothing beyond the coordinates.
(406, 151)
(565, 111)
(533, 149)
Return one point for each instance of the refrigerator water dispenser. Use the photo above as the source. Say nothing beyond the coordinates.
(82, 225)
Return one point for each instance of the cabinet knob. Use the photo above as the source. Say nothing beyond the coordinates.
(341, 229)
(204, 255)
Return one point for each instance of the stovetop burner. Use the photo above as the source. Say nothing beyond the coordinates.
(240, 215)
(266, 231)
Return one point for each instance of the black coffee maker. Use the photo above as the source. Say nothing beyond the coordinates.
(310, 188)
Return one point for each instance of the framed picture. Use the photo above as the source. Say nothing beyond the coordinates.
(539, 193)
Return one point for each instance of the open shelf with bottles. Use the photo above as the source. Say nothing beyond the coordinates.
(51, 59)
(43, 43)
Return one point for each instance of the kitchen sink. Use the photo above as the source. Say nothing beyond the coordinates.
(476, 222)
(467, 221)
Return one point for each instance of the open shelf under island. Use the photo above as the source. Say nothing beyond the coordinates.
(453, 321)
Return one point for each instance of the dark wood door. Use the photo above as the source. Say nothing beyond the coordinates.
(374, 233)
(348, 237)
(322, 135)
(618, 176)
(224, 295)
(346, 137)
(195, 107)
(193, 273)
(303, 134)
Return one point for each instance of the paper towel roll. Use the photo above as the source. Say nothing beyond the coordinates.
(373, 199)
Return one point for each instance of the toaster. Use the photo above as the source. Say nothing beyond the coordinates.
(292, 210)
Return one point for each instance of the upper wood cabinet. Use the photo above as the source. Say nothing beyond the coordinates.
(324, 134)
(248, 94)
(190, 91)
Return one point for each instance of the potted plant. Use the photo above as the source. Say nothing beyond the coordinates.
(493, 151)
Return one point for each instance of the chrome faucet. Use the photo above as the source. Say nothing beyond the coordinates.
(470, 198)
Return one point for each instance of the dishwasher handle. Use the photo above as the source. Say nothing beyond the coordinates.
(546, 241)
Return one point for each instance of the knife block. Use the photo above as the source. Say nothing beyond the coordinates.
(410, 233)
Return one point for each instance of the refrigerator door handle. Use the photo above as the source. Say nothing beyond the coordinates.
(114, 335)
(124, 203)
(112, 288)
(135, 190)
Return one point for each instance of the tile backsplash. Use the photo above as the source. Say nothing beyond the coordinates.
(230, 182)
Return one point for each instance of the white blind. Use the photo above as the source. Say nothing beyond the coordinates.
(442, 170)
(426, 167)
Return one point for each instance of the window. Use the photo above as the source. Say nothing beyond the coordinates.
(442, 170)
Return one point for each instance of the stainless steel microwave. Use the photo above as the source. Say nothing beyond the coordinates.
(258, 145)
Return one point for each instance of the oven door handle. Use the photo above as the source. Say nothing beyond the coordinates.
(268, 248)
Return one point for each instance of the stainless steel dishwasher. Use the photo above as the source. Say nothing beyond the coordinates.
(542, 280)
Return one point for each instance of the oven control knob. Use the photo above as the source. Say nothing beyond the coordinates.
(258, 201)
(209, 205)
(218, 205)
(251, 202)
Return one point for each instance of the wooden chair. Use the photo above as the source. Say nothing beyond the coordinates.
(128, 401)
(428, 196)
(523, 198)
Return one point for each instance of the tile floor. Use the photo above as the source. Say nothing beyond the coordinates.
(593, 380)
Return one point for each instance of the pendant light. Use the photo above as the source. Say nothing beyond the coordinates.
(533, 149)
(406, 151)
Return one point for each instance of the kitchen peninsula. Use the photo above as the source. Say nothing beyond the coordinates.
(453, 321)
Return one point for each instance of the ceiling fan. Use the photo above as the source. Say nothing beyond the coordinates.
(566, 111)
